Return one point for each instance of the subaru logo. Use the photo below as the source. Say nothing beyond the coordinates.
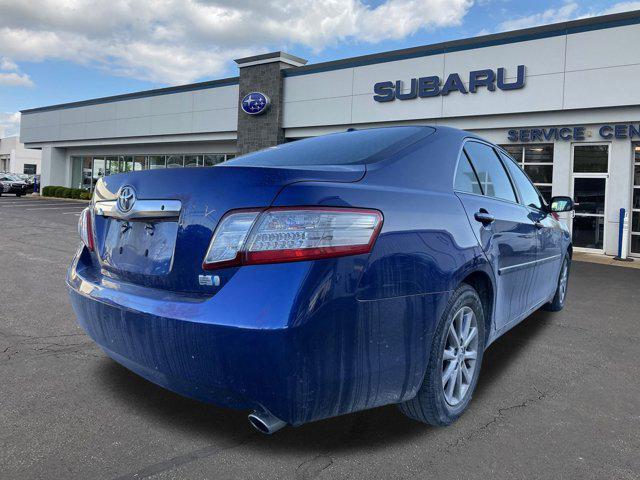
(126, 198)
(255, 103)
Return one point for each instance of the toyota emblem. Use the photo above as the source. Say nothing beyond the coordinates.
(126, 198)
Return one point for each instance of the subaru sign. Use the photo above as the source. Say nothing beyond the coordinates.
(432, 86)
(255, 103)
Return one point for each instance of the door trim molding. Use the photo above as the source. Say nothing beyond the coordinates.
(520, 266)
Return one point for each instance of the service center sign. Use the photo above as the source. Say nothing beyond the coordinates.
(432, 86)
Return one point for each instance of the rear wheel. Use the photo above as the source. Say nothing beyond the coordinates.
(454, 362)
(560, 296)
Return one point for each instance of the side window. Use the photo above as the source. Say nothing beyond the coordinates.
(528, 192)
(466, 180)
(491, 173)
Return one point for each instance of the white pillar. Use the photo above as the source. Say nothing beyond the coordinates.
(54, 168)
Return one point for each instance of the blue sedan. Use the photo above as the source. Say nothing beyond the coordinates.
(323, 276)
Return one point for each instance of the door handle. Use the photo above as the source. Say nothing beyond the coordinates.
(484, 217)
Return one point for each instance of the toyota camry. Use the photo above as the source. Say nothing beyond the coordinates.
(323, 276)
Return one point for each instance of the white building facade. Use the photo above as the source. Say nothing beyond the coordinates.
(562, 99)
(15, 158)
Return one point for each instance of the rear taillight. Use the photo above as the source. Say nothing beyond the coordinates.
(291, 234)
(85, 228)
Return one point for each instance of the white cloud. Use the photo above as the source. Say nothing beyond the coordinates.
(569, 11)
(551, 15)
(6, 64)
(13, 79)
(9, 123)
(175, 41)
(621, 7)
(11, 76)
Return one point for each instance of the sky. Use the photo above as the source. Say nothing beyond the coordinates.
(57, 51)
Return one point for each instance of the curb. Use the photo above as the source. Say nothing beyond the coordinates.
(76, 200)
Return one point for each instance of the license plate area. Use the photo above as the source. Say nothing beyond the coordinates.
(142, 247)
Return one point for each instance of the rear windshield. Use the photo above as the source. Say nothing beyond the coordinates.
(357, 147)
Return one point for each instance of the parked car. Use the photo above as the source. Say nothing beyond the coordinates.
(26, 178)
(12, 184)
(323, 276)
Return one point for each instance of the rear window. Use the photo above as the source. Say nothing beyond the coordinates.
(357, 147)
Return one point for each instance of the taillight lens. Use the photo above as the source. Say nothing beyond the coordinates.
(292, 234)
(85, 228)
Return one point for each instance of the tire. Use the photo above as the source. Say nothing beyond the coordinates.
(560, 296)
(432, 404)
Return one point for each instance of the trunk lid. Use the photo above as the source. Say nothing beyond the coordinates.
(161, 241)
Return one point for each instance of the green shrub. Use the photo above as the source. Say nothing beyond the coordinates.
(64, 192)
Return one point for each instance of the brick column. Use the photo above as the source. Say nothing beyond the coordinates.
(263, 73)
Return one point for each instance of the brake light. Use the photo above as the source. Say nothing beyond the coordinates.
(85, 228)
(291, 234)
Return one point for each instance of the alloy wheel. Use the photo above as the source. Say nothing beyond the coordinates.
(562, 286)
(460, 356)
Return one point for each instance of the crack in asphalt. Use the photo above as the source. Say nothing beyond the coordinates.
(500, 413)
(180, 460)
(44, 345)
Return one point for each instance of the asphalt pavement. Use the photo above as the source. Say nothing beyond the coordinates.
(559, 396)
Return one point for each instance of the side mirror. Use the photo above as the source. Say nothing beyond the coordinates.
(561, 204)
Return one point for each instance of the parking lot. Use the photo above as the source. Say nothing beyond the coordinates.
(559, 396)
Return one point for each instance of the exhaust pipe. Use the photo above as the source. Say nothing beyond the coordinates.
(265, 422)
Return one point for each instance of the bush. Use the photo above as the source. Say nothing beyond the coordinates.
(64, 192)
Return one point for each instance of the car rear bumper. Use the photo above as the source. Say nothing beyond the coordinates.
(300, 357)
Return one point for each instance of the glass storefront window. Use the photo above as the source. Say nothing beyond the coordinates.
(157, 161)
(590, 159)
(174, 161)
(211, 160)
(86, 170)
(539, 173)
(192, 160)
(98, 168)
(112, 166)
(126, 163)
(537, 162)
(139, 163)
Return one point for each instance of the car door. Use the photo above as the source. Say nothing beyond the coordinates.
(503, 227)
(549, 258)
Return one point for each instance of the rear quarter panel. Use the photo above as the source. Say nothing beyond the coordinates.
(370, 328)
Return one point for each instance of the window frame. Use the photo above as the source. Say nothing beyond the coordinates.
(634, 188)
(516, 192)
(543, 202)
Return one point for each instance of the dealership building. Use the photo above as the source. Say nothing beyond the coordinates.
(563, 99)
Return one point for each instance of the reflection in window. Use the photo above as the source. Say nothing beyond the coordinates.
(211, 160)
(590, 158)
(126, 163)
(86, 170)
(156, 161)
(98, 169)
(139, 163)
(191, 160)
(175, 161)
